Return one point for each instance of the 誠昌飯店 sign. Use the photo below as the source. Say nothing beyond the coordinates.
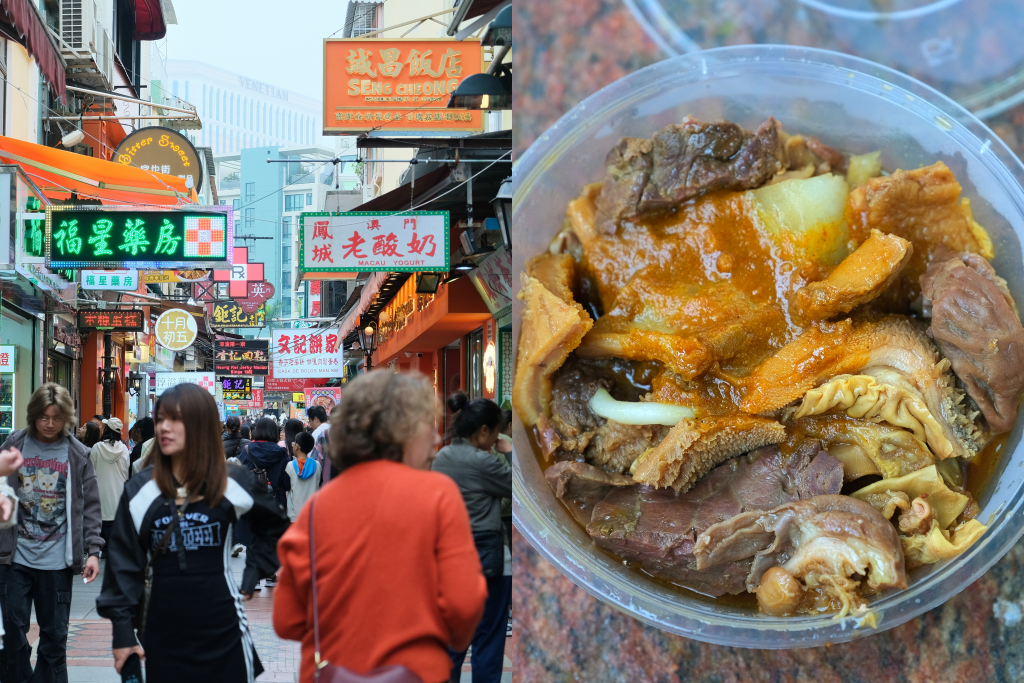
(137, 237)
(402, 84)
(361, 241)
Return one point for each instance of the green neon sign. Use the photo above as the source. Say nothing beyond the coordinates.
(128, 237)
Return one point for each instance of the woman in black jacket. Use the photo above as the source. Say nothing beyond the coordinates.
(234, 442)
(266, 459)
(193, 624)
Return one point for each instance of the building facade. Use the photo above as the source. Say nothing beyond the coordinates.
(239, 112)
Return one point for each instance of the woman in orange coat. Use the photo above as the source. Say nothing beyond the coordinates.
(398, 576)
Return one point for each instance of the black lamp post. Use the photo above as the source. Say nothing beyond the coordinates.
(502, 204)
(368, 341)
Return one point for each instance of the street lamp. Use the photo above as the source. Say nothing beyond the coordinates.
(482, 91)
(502, 204)
(499, 32)
(368, 341)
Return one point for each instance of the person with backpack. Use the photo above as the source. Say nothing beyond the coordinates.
(234, 442)
(268, 462)
(110, 459)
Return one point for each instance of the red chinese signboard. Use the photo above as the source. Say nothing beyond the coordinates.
(307, 353)
(112, 320)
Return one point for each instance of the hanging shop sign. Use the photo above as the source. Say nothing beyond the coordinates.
(64, 332)
(258, 292)
(8, 358)
(111, 280)
(240, 274)
(165, 380)
(236, 388)
(289, 384)
(314, 300)
(230, 314)
(362, 241)
(130, 236)
(327, 397)
(176, 329)
(493, 280)
(161, 150)
(192, 275)
(129, 320)
(241, 356)
(403, 84)
(298, 353)
(257, 399)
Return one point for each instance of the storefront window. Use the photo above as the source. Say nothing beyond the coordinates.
(58, 370)
(6, 403)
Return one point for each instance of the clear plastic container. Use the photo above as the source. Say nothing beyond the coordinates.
(969, 49)
(852, 104)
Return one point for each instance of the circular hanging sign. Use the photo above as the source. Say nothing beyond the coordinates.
(162, 150)
(176, 330)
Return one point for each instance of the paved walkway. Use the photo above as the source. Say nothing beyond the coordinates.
(89, 659)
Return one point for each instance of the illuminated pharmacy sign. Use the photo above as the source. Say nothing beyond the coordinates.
(133, 237)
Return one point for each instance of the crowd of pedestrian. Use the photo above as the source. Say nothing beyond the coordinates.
(404, 565)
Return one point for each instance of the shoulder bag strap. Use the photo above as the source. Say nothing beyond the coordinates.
(316, 608)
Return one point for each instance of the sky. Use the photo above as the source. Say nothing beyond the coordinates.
(280, 43)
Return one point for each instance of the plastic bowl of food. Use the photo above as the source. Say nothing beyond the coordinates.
(837, 98)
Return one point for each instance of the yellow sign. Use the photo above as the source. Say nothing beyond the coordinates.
(194, 275)
(176, 330)
(298, 396)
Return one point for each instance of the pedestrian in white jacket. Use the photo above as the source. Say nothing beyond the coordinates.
(110, 458)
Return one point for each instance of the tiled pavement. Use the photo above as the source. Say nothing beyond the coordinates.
(89, 659)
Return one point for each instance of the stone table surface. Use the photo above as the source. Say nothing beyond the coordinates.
(566, 50)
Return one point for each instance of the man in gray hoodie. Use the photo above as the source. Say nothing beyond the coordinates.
(57, 535)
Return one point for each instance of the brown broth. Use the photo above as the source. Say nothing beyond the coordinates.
(980, 470)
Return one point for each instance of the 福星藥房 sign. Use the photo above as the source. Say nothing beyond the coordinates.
(130, 237)
(110, 280)
(301, 353)
(362, 241)
(403, 84)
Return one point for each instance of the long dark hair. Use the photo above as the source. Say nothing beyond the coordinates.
(92, 434)
(205, 466)
(146, 429)
(472, 415)
(292, 428)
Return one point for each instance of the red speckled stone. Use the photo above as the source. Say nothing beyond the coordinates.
(566, 50)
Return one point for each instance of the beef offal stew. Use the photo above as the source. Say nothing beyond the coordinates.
(753, 363)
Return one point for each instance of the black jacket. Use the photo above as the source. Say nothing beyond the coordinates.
(274, 459)
(233, 444)
(123, 580)
(85, 518)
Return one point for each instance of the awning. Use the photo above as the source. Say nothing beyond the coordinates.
(32, 33)
(399, 198)
(58, 173)
(149, 20)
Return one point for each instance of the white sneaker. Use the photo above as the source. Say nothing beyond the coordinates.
(237, 550)
(271, 582)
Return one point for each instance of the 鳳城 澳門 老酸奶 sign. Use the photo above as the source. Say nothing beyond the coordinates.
(362, 241)
(137, 237)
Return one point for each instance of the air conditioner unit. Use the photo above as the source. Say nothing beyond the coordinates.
(73, 23)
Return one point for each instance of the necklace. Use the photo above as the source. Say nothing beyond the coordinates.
(182, 492)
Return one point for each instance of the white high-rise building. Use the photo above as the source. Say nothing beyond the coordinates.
(240, 112)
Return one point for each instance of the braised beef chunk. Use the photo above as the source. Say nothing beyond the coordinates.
(586, 436)
(685, 160)
(658, 527)
(581, 486)
(629, 169)
(975, 324)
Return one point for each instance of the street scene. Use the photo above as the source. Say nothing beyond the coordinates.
(256, 356)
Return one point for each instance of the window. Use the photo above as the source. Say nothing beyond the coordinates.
(294, 202)
(365, 19)
(286, 256)
(288, 305)
(286, 228)
(234, 204)
(250, 192)
(250, 217)
(223, 201)
(309, 199)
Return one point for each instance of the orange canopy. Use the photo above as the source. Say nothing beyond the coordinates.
(58, 173)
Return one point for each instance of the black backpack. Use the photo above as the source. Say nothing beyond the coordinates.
(262, 479)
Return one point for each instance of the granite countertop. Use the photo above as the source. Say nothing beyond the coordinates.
(565, 51)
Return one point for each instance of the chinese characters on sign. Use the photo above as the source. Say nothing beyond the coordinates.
(176, 329)
(307, 353)
(236, 388)
(230, 314)
(115, 237)
(7, 358)
(242, 356)
(161, 150)
(111, 320)
(111, 280)
(166, 380)
(493, 280)
(363, 241)
(406, 83)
